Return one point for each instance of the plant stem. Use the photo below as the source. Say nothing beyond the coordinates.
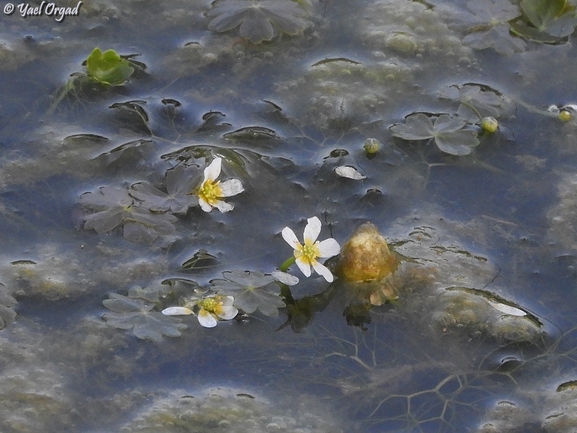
(287, 264)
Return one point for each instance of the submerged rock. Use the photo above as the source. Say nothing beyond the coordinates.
(232, 410)
(366, 256)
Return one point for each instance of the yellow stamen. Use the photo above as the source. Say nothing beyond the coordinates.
(210, 191)
(308, 252)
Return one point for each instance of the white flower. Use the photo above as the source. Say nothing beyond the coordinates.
(306, 255)
(211, 190)
(210, 310)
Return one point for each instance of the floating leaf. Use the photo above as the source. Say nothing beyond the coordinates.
(253, 134)
(258, 19)
(251, 290)
(180, 184)
(115, 207)
(493, 29)
(498, 37)
(137, 314)
(493, 11)
(448, 132)
(478, 101)
(553, 17)
(108, 67)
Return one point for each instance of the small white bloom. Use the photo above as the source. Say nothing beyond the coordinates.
(215, 308)
(210, 310)
(211, 191)
(349, 172)
(306, 255)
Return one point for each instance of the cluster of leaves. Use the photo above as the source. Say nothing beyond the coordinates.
(252, 290)
(457, 134)
(139, 312)
(259, 20)
(115, 207)
(501, 24)
(547, 21)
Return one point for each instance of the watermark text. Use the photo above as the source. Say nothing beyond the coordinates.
(45, 8)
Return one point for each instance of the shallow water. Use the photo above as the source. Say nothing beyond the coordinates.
(498, 222)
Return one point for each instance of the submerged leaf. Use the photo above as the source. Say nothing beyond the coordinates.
(258, 19)
(137, 314)
(114, 207)
(251, 291)
(449, 132)
(180, 185)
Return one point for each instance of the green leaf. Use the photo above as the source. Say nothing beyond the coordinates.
(552, 17)
(108, 67)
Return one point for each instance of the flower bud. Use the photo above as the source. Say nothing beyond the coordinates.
(489, 124)
(371, 146)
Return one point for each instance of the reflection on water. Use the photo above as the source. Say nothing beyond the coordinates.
(448, 126)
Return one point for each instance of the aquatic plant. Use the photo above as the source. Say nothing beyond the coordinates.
(306, 255)
(259, 20)
(108, 68)
(478, 101)
(180, 184)
(211, 191)
(209, 309)
(492, 29)
(252, 290)
(451, 134)
(115, 207)
(547, 21)
(138, 315)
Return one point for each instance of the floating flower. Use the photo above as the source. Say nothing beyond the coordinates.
(210, 310)
(211, 191)
(306, 255)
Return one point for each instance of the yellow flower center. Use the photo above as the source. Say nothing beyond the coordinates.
(210, 191)
(211, 305)
(308, 252)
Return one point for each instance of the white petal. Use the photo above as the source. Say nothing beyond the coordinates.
(313, 229)
(177, 311)
(329, 248)
(231, 187)
(206, 319)
(507, 309)
(213, 170)
(349, 172)
(204, 205)
(227, 312)
(289, 236)
(304, 267)
(223, 206)
(324, 271)
(285, 278)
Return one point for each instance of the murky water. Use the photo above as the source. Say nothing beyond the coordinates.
(482, 335)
